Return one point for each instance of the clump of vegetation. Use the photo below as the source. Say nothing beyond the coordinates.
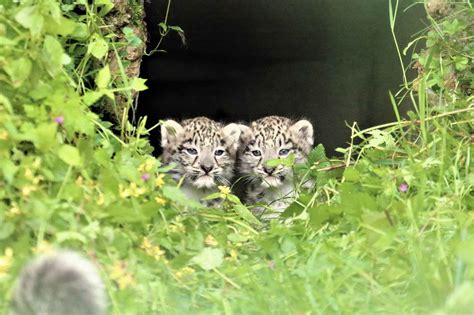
(388, 229)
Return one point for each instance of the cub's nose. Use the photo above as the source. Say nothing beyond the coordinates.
(269, 170)
(207, 168)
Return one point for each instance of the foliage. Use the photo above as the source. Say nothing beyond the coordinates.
(387, 229)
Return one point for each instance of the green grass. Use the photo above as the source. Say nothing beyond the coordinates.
(388, 228)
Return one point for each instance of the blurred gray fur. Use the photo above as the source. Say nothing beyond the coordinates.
(63, 283)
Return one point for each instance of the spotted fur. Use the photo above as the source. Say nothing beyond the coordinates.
(270, 138)
(204, 152)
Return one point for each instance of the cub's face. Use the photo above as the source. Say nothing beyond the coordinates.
(203, 150)
(273, 138)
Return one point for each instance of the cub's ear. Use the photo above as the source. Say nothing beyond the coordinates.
(170, 131)
(245, 133)
(302, 130)
(231, 134)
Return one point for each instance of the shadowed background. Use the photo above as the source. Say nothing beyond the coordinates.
(330, 61)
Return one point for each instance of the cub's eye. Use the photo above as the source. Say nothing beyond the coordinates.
(218, 152)
(256, 152)
(284, 152)
(191, 151)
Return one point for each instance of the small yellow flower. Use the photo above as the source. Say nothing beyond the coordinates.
(183, 272)
(121, 276)
(176, 228)
(146, 244)
(27, 190)
(135, 190)
(43, 248)
(210, 241)
(147, 166)
(37, 179)
(6, 261)
(160, 201)
(36, 163)
(132, 191)
(152, 250)
(79, 180)
(14, 210)
(124, 192)
(159, 181)
(100, 200)
(224, 190)
(3, 135)
(29, 173)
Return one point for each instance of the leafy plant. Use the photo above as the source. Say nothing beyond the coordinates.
(387, 228)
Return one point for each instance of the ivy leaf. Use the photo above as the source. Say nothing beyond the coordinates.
(209, 258)
(102, 79)
(70, 155)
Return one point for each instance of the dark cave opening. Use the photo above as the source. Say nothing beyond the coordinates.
(329, 61)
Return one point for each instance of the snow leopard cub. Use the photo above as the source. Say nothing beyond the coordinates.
(204, 152)
(270, 138)
(62, 283)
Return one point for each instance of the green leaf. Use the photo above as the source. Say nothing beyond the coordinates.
(9, 169)
(296, 207)
(63, 27)
(288, 161)
(132, 39)
(234, 199)
(351, 174)
(62, 237)
(175, 194)
(30, 18)
(245, 214)
(106, 5)
(209, 258)
(317, 154)
(54, 55)
(98, 47)
(45, 136)
(465, 250)
(103, 77)
(6, 229)
(138, 84)
(176, 28)
(212, 196)
(91, 97)
(70, 155)
(19, 70)
(6, 103)
(323, 213)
